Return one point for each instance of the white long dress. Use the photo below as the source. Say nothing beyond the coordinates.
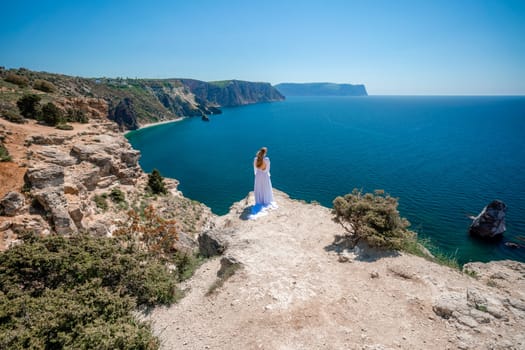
(263, 185)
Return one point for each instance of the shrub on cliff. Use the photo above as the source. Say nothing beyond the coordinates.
(44, 85)
(19, 80)
(51, 114)
(4, 154)
(76, 115)
(78, 293)
(156, 183)
(374, 218)
(149, 231)
(29, 106)
(11, 115)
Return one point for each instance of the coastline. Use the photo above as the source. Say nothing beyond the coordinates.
(149, 125)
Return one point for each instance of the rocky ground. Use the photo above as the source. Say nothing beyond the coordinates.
(299, 287)
(61, 180)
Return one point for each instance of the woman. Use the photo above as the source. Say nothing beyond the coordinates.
(263, 185)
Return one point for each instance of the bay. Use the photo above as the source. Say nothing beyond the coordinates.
(444, 157)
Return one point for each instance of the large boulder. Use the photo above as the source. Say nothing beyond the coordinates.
(55, 203)
(490, 223)
(12, 204)
(130, 157)
(47, 139)
(43, 177)
(212, 243)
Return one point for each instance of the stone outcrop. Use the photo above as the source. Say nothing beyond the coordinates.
(70, 175)
(232, 92)
(45, 175)
(54, 202)
(490, 223)
(213, 242)
(12, 204)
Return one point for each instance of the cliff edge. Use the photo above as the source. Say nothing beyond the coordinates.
(296, 286)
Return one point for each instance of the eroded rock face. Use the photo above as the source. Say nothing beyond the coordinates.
(46, 175)
(70, 176)
(56, 156)
(124, 114)
(54, 202)
(12, 203)
(490, 223)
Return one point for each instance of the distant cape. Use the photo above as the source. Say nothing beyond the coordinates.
(321, 89)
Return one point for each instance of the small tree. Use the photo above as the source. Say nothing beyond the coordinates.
(51, 114)
(156, 183)
(373, 218)
(29, 106)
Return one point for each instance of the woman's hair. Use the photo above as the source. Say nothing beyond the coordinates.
(260, 156)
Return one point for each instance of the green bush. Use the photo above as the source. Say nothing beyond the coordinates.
(4, 154)
(76, 116)
(29, 106)
(117, 195)
(12, 115)
(100, 201)
(44, 85)
(156, 183)
(374, 218)
(51, 114)
(78, 293)
(19, 80)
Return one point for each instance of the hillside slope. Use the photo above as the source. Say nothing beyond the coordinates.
(132, 102)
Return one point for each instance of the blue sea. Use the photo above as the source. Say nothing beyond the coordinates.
(444, 157)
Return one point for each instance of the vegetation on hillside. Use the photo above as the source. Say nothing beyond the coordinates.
(4, 153)
(78, 293)
(156, 183)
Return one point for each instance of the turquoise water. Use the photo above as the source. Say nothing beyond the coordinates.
(443, 157)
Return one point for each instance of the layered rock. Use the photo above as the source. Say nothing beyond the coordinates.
(232, 92)
(70, 176)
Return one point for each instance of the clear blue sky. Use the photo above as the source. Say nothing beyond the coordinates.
(393, 47)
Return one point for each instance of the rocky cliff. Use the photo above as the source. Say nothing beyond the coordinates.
(62, 180)
(133, 102)
(321, 89)
(232, 92)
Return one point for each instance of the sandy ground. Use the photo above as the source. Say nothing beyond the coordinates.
(293, 293)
